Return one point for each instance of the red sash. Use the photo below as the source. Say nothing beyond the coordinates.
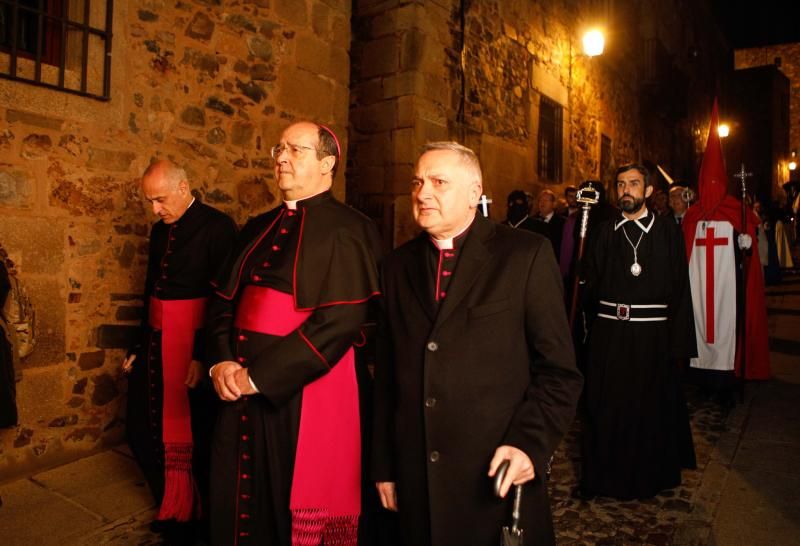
(326, 484)
(178, 320)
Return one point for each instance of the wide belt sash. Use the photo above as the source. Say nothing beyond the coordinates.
(649, 312)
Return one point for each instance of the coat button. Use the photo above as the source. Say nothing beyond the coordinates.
(433, 346)
(434, 456)
(430, 402)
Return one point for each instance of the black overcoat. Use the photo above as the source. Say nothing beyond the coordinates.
(493, 366)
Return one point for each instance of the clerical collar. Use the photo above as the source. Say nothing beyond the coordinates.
(638, 221)
(449, 244)
(307, 201)
(546, 219)
(518, 223)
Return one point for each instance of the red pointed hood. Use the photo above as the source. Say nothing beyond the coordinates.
(713, 182)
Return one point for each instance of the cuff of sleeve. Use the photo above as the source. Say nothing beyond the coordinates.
(253, 385)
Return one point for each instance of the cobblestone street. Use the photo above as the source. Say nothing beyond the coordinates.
(679, 516)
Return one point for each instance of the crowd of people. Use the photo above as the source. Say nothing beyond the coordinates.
(263, 410)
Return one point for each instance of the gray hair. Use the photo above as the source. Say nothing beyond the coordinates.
(466, 155)
(172, 173)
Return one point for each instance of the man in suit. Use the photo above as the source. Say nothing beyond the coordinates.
(475, 365)
(555, 223)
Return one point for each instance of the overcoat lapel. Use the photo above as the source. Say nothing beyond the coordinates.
(474, 257)
(418, 277)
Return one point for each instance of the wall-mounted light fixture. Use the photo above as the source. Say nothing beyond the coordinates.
(593, 43)
(723, 129)
(793, 161)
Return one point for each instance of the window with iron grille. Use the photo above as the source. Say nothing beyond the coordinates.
(550, 139)
(59, 44)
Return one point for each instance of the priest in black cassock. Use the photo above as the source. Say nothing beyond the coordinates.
(636, 436)
(475, 366)
(290, 305)
(170, 405)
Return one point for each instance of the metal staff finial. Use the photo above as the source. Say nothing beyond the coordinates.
(743, 175)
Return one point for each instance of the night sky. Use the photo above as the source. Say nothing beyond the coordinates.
(752, 23)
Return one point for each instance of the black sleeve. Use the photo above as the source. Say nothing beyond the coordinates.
(148, 291)
(285, 367)
(222, 238)
(220, 310)
(542, 419)
(383, 462)
(683, 341)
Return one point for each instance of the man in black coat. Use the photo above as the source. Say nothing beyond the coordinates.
(553, 222)
(475, 365)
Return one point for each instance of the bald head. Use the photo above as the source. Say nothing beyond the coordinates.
(165, 186)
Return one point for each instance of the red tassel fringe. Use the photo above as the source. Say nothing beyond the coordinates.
(181, 500)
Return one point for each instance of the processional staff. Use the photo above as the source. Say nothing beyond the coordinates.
(743, 175)
(587, 196)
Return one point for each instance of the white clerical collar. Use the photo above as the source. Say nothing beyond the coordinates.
(292, 205)
(638, 221)
(447, 244)
(190, 203)
(518, 223)
(548, 217)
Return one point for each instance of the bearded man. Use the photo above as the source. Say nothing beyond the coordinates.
(636, 430)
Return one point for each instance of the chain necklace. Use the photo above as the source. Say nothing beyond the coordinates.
(636, 269)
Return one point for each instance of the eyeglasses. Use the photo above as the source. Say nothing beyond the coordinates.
(295, 150)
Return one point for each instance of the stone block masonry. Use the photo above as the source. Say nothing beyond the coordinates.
(209, 85)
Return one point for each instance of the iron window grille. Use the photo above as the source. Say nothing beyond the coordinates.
(551, 115)
(58, 44)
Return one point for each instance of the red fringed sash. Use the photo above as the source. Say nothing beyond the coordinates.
(326, 484)
(178, 320)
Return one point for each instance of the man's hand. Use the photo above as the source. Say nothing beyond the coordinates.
(519, 471)
(388, 495)
(242, 377)
(195, 374)
(223, 375)
(127, 364)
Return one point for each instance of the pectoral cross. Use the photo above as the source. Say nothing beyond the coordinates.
(484, 203)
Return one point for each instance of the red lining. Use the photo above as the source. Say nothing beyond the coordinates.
(316, 352)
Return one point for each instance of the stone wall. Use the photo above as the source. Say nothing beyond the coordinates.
(209, 84)
(789, 55)
(426, 71)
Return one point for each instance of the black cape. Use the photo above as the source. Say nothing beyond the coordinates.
(636, 435)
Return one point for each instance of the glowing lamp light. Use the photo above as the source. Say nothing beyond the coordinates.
(593, 43)
(723, 130)
(792, 165)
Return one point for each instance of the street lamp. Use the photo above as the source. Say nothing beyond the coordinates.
(593, 43)
(723, 129)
